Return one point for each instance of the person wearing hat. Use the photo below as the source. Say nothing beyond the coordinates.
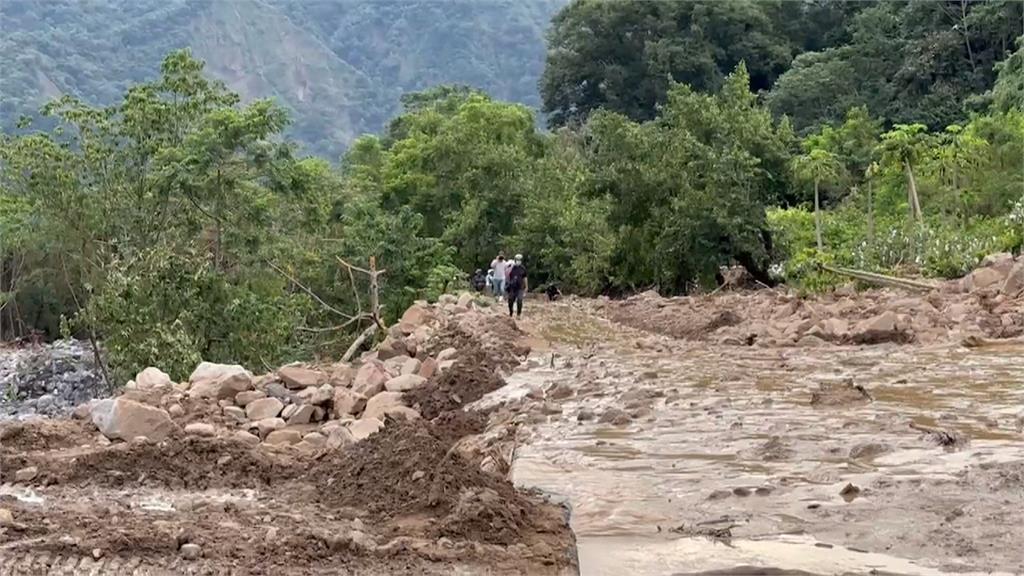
(516, 285)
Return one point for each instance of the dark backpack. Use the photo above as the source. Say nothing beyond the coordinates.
(516, 276)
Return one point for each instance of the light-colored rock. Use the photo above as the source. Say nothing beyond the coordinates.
(267, 425)
(250, 439)
(445, 366)
(811, 341)
(83, 410)
(339, 437)
(296, 377)
(302, 415)
(560, 391)
(410, 366)
(6, 517)
(405, 383)
(377, 406)
(151, 378)
(243, 399)
(123, 419)
(402, 412)
(289, 411)
(415, 316)
(26, 474)
(982, 278)
(835, 328)
(200, 429)
(175, 410)
(285, 436)
(446, 354)
(263, 408)
(191, 551)
(315, 438)
(1013, 286)
(390, 348)
(235, 413)
(364, 427)
(427, 368)
(881, 328)
(370, 379)
(315, 395)
(348, 403)
(219, 381)
(341, 374)
(465, 300)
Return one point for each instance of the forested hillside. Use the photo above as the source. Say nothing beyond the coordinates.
(177, 221)
(339, 67)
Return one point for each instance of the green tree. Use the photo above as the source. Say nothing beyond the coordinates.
(815, 166)
(901, 146)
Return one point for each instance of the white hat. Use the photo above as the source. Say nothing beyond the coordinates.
(519, 256)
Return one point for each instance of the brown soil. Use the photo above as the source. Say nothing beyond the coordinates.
(403, 501)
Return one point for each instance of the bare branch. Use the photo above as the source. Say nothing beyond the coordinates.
(308, 291)
(370, 331)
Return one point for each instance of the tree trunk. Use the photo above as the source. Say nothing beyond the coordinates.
(871, 218)
(817, 216)
(915, 203)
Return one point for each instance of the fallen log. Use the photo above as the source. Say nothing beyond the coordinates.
(881, 279)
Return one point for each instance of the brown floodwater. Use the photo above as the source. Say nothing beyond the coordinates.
(727, 467)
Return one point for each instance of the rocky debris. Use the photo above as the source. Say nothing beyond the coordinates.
(48, 379)
(868, 450)
(200, 429)
(315, 395)
(247, 438)
(243, 399)
(267, 425)
(404, 383)
(122, 419)
(446, 354)
(348, 403)
(379, 405)
(26, 474)
(615, 417)
(296, 377)
(153, 378)
(219, 381)
(947, 438)
(364, 427)
(284, 436)
(560, 391)
(840, 393)
(988, 302)
(263, 408)
(303, 414)
(191, 551)
(850, 492)
(235, 413)
(370, 379)
(427, 368)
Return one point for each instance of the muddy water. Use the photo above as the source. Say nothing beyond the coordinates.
(727, 466)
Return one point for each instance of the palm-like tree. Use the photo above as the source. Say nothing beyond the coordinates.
(901, 145)
(816, 166)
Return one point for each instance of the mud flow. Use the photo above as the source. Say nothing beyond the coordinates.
(684, 457)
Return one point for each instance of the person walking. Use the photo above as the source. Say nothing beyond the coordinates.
(516, 286)
(498, 282)
(479, 280)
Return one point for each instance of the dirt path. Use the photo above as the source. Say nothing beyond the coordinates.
(682, 457)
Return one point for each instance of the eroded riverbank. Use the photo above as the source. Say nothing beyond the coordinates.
(687, 457)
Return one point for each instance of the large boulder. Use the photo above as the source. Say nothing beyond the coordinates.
(370, 379)
(219, 381)
(348, 403)
(263, 408)
(341, 374)
(390, 348)
(302, 414)
(123, 419)
(153, 378)
(982, 278)
(1013, 286)
(315, 395)
(415, 316)
(243, 399)
(298, 377)
(405, 383)
(379, 405)
(882, 328)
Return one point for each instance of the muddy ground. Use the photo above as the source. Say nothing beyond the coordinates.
(403, 501)
(680, 456)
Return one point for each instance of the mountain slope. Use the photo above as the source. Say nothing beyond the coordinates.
(340, 66)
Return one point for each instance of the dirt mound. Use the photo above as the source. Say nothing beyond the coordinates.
(40, 434)
(470, 378)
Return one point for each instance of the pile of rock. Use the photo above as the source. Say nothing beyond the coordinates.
(988, 302)
(47, 379)
(306, 406)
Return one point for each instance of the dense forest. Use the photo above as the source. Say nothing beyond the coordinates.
(178, 221)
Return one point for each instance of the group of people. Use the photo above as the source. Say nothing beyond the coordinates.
(506, 279)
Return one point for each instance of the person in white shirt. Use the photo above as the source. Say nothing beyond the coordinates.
(499, 265)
